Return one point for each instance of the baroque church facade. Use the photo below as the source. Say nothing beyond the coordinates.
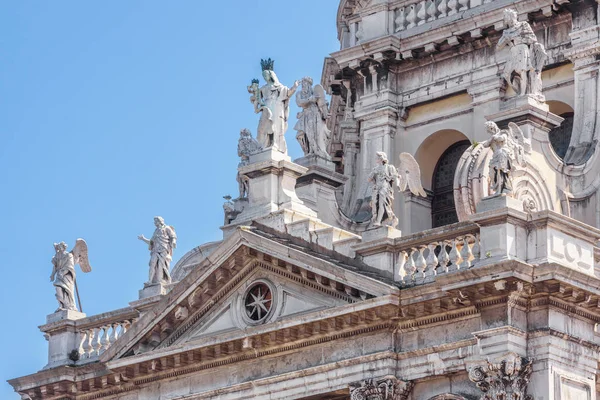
(437, 241)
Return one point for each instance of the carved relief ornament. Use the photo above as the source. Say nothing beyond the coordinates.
(506, 379)
(387, 388)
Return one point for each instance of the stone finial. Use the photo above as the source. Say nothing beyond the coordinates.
(386, 388)
(505, 379)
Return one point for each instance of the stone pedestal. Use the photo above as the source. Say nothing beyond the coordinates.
(377, 250)
(157, 289)
(62, 336)
(498, 202)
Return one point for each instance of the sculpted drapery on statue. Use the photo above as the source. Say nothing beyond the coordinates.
(63, 272)
(383, 177)
(313, 135)
(161, 245)
(507, 152)
(273, 102)
(247, 146)
(523, 69)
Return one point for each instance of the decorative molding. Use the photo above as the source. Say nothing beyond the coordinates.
(505, 379)
(386, 388)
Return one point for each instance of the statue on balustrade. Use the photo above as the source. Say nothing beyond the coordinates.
(523, 69)
(247, 146)
(161, 245)
(273, 102)
(507, 153)
(63, 272)
(313, 135)
(383, 177)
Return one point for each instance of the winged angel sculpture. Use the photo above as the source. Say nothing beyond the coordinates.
(383, 177)
(63, 272)
(508, 152)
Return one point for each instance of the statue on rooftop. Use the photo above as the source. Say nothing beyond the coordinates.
(272, 100)
(247, 146)
(383, 177)
(63, 272)
(313, 135)
(508, 151)
(523, 69)
(161, 245)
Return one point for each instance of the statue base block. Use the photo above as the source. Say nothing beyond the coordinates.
(64, 315)
(152, 291)
(269, 154)
(380, 233)
(315, 161)
(498, 202)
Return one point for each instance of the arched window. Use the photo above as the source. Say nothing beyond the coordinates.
(560, 137)
(443, 211)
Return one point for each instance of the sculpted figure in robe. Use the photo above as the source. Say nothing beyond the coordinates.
(507, 152)
(313, 135)
(273, 102)
(383, 177)
(161, 245)
(63, 272)
(247, 146)
(523, 70)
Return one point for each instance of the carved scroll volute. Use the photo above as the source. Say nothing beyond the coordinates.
(505, 379)
(386, 388)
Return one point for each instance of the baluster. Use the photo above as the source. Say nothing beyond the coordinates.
(443, 258)
(401, 266)
(420, 263)
(411, 17)
(400, 19)
(431, 9)
(114, 333)
(452, 4)
(422, 13)
(410, 266)
(464, 5)
(97, 343)
(455, 258)
(88, 348)
(443, 8)
(476, 249)
(466, 253)
(125, 327)
(105, 338)
(82, 349)
(432, 260)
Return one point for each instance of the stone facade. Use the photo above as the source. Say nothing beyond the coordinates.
(306, 298)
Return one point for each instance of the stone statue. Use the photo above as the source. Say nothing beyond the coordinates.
(247, 146)
(383, 177)
(313, 135)
(63, 272)
(273, 102)
(507, 151)
(523, 70)
(162, 244)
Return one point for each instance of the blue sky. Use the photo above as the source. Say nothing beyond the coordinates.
(113, 112)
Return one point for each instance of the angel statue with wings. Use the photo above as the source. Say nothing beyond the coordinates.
(507, 152)
(313, 135)
(63, 272)
(383, 177)
(523, 70)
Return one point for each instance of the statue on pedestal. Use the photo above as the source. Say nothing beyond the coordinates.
(313, 135)
(247, 146)
(273, 102)
(63, 272)
(523, 69)
(161, 245)
(508, 151)
(383, 177)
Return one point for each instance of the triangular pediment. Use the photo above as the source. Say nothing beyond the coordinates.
(215, 299)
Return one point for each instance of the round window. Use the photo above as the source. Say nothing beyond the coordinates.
(258, 302)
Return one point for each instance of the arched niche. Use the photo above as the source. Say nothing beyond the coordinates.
(560, 137)
(432, 148)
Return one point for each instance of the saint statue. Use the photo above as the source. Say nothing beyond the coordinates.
(313, 135)
(247, 146)
(162, 244)
(507, 152)
(63, 272)
(523, 70)
(273, 102)
(383, 177)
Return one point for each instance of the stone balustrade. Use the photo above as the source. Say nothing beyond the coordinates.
(96, 340)
(421, 262)
(414, 13)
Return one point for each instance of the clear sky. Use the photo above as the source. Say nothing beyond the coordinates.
(112, 112)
